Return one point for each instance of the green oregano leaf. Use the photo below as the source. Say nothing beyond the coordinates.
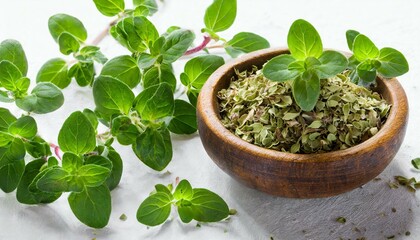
(110, 8)
(366, 72)
(55, 180)
(208, 206)
(10, 175)
(198, 70)
(6, 118)
(183, 190)
(117, 169)
(60, 23)
(277, 69)
(9, 75)
(220, 15)
(154, 148)
(77, 134)
(306, 90)
(93, 175)
(112, 95)
(332, 63)
(155, 102)
(393, 63)
(150, 5)
(92, 206)
(364, 48)
(67, 43)
(184, 120)
(177, 43)
(54, 71)
(123, 68)
(124, 130)
(12, 51)
(44, 98)
(245, 42)
(24, 127)
(93, 53)
(83, 72)
(23, 195)
(304, 41)
(155, 209)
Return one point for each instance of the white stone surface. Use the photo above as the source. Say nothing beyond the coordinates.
(260, 216)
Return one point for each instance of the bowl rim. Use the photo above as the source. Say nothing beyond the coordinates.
(207, 103)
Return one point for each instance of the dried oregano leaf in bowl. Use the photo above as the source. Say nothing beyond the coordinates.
(264, 113)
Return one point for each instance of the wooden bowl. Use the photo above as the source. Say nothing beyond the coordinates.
(297, 175)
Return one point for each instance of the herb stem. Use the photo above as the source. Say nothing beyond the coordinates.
(200, 47)
(101, 36)
(56, 150)
(215, 46)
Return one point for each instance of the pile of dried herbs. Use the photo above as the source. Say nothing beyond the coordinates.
(264, 113)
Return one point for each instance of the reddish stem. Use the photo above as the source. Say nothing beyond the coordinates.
(200, 47)
(56, 150)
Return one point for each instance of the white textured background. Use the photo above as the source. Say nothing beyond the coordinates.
(394, 23)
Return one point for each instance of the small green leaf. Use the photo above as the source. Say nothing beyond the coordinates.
(185, 212)
(192, 95)
(5, 139)
(135, 33)
(124, 130)
(163, 188)
(155, 209)
(332, 63)
(159, 74)
(9, 75)
(208, 206)
(10, 175)
(277, 69)
(67, 43)
(99, 160)
(6, 118)
(93, 53)
(92, 206)
(110, 8)
(150, 5)
(55, 180)
(83, 72)
(60, 23)
(4, 97)
(220, 15)
(23, 195)
(112, 95)
(93, 175)
(54, 71)
(177, 43)
(24, 127)
(37, 147)
(304, 41)
(393, 63)
(245, 42)
(123, 68)
(184, 120)
(366, 72)
(44, 98)
(14, 151)
(306, 90)
(350, 36)
(199, 69)
(71, 162)
(183, 190)
(416, 163)
(77, 134)
(154, 148)
(146, 60)
(364, 48)
(22, 86)
(117, 169)
(155, 102)
(12, 51)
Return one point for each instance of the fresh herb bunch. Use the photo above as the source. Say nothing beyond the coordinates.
(307, 62)
(90, 167)
(192, 203)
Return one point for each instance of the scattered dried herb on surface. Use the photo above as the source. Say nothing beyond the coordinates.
(341, 220)
(264, 113)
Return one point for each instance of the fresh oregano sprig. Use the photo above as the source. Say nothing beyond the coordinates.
(368, 61)
(306, 64)
(192, 203)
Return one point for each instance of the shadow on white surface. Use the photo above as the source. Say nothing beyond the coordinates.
(373, 211)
